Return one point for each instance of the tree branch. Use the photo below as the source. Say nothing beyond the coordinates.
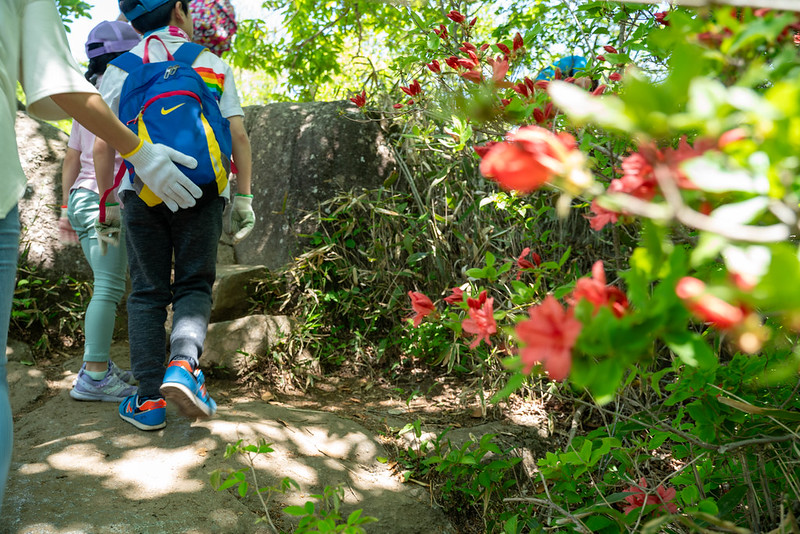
(779, 5)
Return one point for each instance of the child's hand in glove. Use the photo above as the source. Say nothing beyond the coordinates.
(108, 227)
(243, 218)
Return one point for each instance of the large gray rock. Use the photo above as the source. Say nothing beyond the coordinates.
(233, 287)
(41, 150)
(304, 154)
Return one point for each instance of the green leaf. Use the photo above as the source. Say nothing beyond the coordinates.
(584, 108)
(433, 41)
(708, 173)
(514, 383)
(476, 273)
(295, 510)
(691, 349)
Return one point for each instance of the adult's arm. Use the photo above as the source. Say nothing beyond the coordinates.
(93, 113)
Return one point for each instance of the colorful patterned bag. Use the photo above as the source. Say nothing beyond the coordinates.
(214, 24)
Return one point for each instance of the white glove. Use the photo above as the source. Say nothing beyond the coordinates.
(107, 227)
(66, 234)
(243, 218)
(153, 164)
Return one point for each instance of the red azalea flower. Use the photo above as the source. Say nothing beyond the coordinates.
(549, 336)
(485, 47)
(527, 159)
(596, 291)
(541, 84)
(468, 47)
(638, 498)
(600, 57)
(456, 296)
(421, 305)
(638, 178)
(601, 216)
(499, 68)
(397, 106)
(478, 302)
(544, 115)
(482, 150)
(600, 90)
(522, 89)
(524, 263)
(413, 89)
(452, 62)
(472, 75)
(360, 100)
(434, 66)
(455, 16)
(503, 48)
(731, 136)
(518, 42)
(472, 22)
(441, 32)
(706, 307)
(610, 49)
(661, 18)
(481, 322)
(615, 76)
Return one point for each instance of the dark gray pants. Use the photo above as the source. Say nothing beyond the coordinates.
(154, 235)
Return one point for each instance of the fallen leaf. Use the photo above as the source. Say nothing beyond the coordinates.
(267, 396)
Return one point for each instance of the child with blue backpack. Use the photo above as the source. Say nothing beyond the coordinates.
(157, 231)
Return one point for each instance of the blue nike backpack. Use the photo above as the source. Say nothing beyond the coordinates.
(168, 102)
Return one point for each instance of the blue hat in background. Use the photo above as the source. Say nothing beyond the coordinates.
(568, 65)
(142, 7)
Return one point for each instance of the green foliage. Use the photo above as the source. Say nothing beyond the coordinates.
(47, 314)
(72, 9)
(327, 517)
(313, 519)
(470, 480)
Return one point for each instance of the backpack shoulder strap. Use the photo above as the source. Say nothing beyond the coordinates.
(187, 53)
(127, 61)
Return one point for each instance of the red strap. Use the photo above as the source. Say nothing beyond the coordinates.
(146, 57)
(117, 181)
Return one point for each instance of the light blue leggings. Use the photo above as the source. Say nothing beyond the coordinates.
(109, 275)
(9, 243)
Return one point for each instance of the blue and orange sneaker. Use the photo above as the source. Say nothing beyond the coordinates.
(149, 414)
(187, 388)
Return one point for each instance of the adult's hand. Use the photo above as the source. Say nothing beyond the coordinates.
(154, 166)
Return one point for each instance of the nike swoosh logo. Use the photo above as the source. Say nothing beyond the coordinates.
(170, 110)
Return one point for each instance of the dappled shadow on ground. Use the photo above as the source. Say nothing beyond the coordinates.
(78, 467)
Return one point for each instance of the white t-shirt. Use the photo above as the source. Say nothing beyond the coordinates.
(33, 50)
(215, 72)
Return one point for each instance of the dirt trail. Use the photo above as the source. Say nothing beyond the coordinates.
(78, 468)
